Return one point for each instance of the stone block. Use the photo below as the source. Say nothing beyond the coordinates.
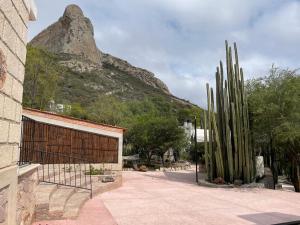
(18, 113)
(21, 72)
(3, 205)
(4, 49)
(9, 108)
(23, 33)
(26, 197)
(21, 50)
(7, 87)
(1, 104)
(2, 21)
(5, 155)
(23, 11)
(15, 154)
(14, 133)
(17, 21)
(14, 19)
(4, 127)
(17, 90)
(6, 7)
(9, 36)
(11, 61)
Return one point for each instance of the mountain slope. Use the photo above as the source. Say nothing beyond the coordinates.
(73, 34)
(65, 66)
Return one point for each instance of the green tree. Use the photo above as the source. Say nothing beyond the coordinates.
(155, 135)
(77, 111)
(42, 73)
(274, 107)
(108, 109)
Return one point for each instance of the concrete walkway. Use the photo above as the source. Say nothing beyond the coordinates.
(173, 198)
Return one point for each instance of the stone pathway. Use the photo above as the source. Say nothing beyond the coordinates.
(171, 198)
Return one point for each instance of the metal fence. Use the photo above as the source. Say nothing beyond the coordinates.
(75, 173)
(57, 166)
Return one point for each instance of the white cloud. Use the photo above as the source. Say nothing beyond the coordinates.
(182, 41)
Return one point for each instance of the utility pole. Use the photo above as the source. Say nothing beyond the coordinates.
(196, 151)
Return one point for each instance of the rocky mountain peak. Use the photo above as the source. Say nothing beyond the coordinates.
(73, 12)
(73, 33)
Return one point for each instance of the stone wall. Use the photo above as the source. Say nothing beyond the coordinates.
(14, 17)
(26, 198)
(3, 205)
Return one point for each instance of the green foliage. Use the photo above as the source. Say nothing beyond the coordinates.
(274, 108)
(94, 171)
(77, 111)
(42, 74)
(108, 95)
(155, 135)
(107, 109)
(185, 114)
(273, 100)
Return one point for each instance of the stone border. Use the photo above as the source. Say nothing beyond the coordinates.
(27, 169)
(212, 185)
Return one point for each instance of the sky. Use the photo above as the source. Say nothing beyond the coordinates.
(182, 41)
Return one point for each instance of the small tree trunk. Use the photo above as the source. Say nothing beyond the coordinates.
(162, 159)
(149, 156)
(296, 178)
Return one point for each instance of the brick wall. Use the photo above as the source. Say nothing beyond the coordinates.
(14, 18)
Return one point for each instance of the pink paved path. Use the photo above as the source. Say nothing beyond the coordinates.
(93, 213)
(172, 198)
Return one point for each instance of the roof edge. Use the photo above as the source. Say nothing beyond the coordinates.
(72, 118)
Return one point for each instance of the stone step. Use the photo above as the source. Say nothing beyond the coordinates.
(58, 201)
(43, 194)
(75, 203)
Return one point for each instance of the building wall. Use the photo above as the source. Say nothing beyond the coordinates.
(14, 18)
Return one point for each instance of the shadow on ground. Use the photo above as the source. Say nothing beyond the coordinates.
(268, 217)
(189, 178)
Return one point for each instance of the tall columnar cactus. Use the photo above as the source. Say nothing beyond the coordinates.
(227, 148)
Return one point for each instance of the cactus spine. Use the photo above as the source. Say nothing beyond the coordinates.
(227, 149)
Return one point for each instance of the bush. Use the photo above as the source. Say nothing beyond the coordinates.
(94, 171)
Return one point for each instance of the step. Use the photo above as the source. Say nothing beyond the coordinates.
(58, 201)
(75, 203)
(43, 194)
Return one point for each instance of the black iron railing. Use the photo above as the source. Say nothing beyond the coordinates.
(57, 163)
(76, 173)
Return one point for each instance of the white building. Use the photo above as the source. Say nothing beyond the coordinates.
(189, 129)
